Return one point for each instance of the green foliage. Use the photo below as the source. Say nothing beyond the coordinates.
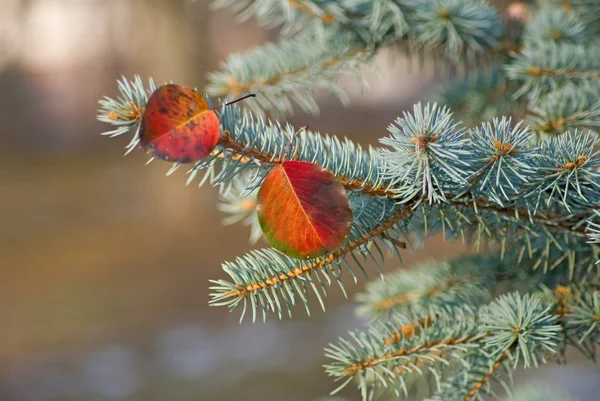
(431, 288)
(521, 326)
(323, 39)
(549, 66)
(555, 24)
(568, 108)
(296, 67)
(525, 194)
(439, 151)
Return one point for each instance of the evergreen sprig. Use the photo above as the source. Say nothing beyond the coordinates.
(431, 288)
(525, 195)
(568, 108)
(513, 330)
(473, 183)
(269, 281)
(555, 24)
(341, 36)
(570, 172)
(426, 159)
(295, 68)
(587, 10)
(458, 27)
(380, 358)
(548, 66)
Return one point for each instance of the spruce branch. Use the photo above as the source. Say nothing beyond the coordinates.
(521, 325)
(289, 71)
(249, 142)
(349, 33)
(262, 277)
(587, 10)
(125, 112)
(568, 108)
(570, 172)
(377, 363)
(369, 18)
(430, 152)
(473, 378)
(431, 288)
(527, 198)
(555, 24)
(457, 28)
(427, 145)
(433, 159)
(503, 153)
(548, 66)
(452, 27)
(512, 328)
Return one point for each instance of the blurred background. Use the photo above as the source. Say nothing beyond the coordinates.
(105, 262)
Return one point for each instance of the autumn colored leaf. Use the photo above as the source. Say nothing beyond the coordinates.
(178, 125)
(303, 210)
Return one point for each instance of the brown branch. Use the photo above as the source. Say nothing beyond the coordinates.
(358, 367)
(402, 369)
(546, 220)
(477, 386)
(409, 330)
(249, 154)
(553, 72)
(562, 123)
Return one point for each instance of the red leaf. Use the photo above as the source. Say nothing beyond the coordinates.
(178, 125)
(303, 210)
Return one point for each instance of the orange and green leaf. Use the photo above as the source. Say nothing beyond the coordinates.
(303, 210)
(178, 125)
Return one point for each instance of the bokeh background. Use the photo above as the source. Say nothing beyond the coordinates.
(105, 262)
